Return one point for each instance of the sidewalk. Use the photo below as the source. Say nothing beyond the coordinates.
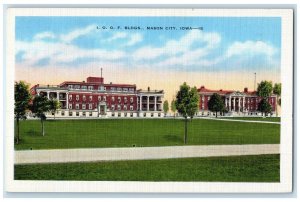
(140, 153)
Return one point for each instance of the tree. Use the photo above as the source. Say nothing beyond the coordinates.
(54, 105)
(22, 98)
(264, 106)
(264, 89)
(187, 104)
(40, 105)
(173, 107)
(166, 106)
(277, 92)
(216, 104)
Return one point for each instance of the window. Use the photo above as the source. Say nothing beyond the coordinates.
(125, 89)
(99, 98)
(113, 89)
(70, 86)
(91, 98)
(131, 99)
(52, 113)
(70, 113)
(83, 98)
(70, 97)
(77, 86)
(119, 114)
(91, 114)
(112, 99)
(125, 107)
(131, 107)
(144, 114)
(104, 98)
(70, 106)
(62, 113)
(77, 113)
(131, 114)
(131, 89)
(83, 87)
(202, 106)
(77, 106)
(83, 106)
(158, 114)
(119, 107)
(208, 98)
(119, 99)
(90, 87)
(77, 97)
(113, 107)
(119, 89)
(113, 114)
(83, 114)
(90, 106)
(125, 99)
(151, 114)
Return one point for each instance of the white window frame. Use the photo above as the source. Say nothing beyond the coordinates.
(90, 98)
(84, 98)
(77, 106)
(99, 98)
(70, 106)
(83, 87)
(90, 106)
(131, 99)
(119, 107)
(90, 88)
(83, 106)
(112, 107)
(77, 97)
(125, 107)
(112, 98)
(131, 108)
(70, 97)
(104, 98)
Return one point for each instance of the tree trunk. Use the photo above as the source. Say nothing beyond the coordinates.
(216, 114)
(54, 115)
(185, 131)
(18, 131)
(43, 131)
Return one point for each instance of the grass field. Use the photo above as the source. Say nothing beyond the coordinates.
(261, 168)
(270, 119)
(142, 132)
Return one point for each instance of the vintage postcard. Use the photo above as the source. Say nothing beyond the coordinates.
(149, 100)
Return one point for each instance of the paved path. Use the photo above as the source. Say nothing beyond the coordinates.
(138, 153)
(239, 120)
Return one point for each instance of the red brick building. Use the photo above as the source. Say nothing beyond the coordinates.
(94, 98)
(236, 102)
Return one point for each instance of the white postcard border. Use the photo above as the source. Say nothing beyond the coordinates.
(286, 140)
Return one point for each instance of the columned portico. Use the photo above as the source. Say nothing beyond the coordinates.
(235, 102)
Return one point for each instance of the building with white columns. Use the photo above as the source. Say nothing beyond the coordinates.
(93, 98)
(237, 103)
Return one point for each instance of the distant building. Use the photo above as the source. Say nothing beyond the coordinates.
(237, 103)
(94, 98)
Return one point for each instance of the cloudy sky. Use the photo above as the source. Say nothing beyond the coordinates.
(225, 53)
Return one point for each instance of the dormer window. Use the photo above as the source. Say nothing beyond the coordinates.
(90, 87)
(70, 86)
(83, 87)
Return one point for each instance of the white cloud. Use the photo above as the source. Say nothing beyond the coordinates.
(250, 48)
(69, 37)
(134, 39)
(44, 35)
(116, 36)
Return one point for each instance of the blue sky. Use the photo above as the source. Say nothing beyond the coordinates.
(224, 44)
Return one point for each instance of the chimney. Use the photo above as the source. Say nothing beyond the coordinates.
(246, 90)
(148, 88)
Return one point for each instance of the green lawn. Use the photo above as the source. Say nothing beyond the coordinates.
(270, 119)
(260, 168)
(141, 133)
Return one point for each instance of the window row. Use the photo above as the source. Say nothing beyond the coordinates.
(90, 106)
(100, 88)
(101, 98)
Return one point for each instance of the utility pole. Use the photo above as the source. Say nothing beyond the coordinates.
(255, 81)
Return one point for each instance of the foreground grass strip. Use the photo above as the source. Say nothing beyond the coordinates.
(258, 168)
(98, 133)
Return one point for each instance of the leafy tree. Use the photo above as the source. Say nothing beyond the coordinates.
(216, 104)
(166, 106)
(173, 107)
(40, 105)
(264, 89)
(187, 103)
(277, 91)
(22, 98)
(264, 106)
(54, 105)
